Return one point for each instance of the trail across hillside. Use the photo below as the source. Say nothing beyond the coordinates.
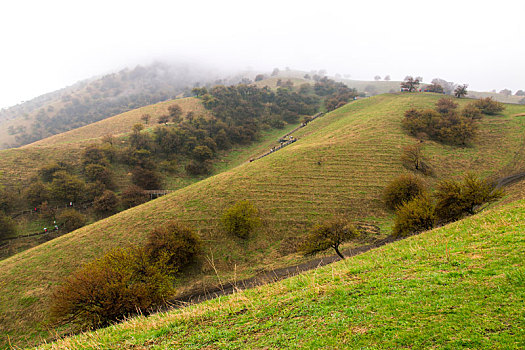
(287, 138)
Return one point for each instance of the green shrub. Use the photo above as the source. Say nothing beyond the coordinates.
(241, 219)
(471, 111)
(98, 172)
(198, 167)
(174, 245)
(7, 226)
(70, 220)
(120, 284)
(331, 234)
(455, 199)
(403, 189)
(489, 106)
(445, 105)
(414, 216)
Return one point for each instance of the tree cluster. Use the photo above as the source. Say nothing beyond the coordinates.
(451, 201)
(335, 94)
(444, 124)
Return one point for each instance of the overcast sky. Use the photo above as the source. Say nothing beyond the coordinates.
(47, 45)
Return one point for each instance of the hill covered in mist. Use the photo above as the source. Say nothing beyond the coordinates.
(98, 98)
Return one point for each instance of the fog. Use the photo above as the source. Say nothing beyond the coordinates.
(47, 45)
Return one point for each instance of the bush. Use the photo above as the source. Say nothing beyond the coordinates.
(471, 111)
(241, 219)
(331, 234)
(145, 178)
(445, 105)
(107, 203)
(456, 199)
(70, 220)
(174, 245)
(37, 193)
(403, 189)
(414, 216)
(489, 106)
(7, 226)
(122, 283)
(133, 196)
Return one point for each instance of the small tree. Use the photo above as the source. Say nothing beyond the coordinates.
(107, 203)
(173, 244)
(377, 78)
(413, 159)
(275, 72)
(455, 199)
(410, 84)
(70, 220)
(241, 219)
(259, 77)
(461, 91)
(403, 189)
(145, 118)
(506, 92)
(520, 93)
(145, 178)
(329, 235)
(175, 112)
(414, 216)
(387, 78)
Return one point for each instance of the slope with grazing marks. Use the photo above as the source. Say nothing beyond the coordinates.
(341, 163)
(460, 286)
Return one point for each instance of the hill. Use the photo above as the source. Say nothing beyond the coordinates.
(460, 286)
(97, 98)
(340, 164)
(23, 163)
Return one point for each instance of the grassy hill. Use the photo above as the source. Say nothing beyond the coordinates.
(20, 163)
(340, 164)
(460, 286)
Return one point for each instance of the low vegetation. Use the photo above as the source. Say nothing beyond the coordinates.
(403, 189)
(459, 286)
(241, 219)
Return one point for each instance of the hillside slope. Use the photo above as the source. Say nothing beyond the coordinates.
(340, 164)
(460, 286)
(19, 163)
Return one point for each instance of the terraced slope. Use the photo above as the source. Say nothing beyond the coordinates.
(340, 164)
(461, 286)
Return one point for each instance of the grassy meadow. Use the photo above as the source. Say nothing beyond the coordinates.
(460, 286)
(340, 165)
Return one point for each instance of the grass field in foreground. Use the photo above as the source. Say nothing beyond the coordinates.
(341, 164)
(460, 286)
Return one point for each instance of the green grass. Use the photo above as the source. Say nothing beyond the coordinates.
(460, 286)
(358, 147)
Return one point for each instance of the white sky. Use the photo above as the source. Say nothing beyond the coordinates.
(47, 45)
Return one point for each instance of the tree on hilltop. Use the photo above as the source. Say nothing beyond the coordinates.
(410, 84)
(461, 91)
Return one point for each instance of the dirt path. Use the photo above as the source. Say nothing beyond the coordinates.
(198, 296)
